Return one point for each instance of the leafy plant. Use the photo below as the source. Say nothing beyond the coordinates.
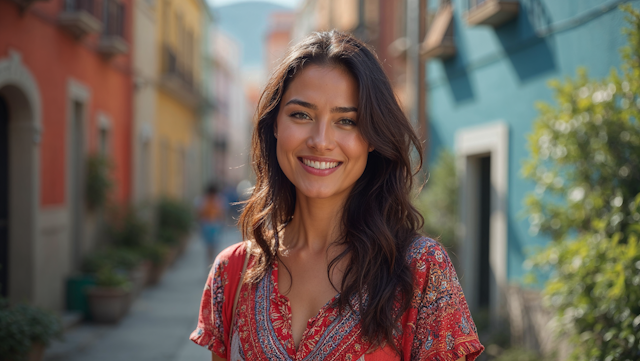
(174, 219)
(154, 252)
(585, 160)
(123, 259)
(23, 325)
(126, 228)
(98, 181)
(438, 202)
(109, 277)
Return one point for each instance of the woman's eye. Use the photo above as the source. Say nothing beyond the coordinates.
(299, 115)
(346, 121)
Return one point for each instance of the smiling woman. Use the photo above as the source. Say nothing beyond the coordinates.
(331, 207)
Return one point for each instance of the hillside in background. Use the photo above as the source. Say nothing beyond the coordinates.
(247, 22)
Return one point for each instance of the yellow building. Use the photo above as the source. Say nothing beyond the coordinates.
(180, 33)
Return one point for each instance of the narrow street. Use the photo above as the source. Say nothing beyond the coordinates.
(158, 325)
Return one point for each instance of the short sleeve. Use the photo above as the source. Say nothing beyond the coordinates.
(214, 317)
(439, 326)
(210, 330)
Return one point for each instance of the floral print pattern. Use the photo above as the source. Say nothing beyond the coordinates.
(438, 325)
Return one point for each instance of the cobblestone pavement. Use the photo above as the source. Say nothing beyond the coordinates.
(158, 325)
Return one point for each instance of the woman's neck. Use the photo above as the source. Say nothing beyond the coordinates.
(315, 224)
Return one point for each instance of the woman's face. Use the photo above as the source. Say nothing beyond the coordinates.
(320, 148)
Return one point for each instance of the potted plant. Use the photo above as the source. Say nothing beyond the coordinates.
(157, 255)
(109, 298)
(174, 222)
(98, 181)
(25, 331)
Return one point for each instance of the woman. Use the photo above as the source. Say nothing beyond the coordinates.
(337, 268)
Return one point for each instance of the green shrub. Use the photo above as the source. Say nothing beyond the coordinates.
(22, 325)
(123, 259)
(109, 277)
(585, 160)
(126, 228)
(154, 252)
(174, 219)
(98, 181)
(438, 201)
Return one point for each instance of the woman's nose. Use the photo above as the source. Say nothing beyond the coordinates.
(321, 138)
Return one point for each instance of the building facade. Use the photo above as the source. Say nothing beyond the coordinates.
(490, 61)
(231, 121)
(180, 101)
(51, 119)
(145, 70)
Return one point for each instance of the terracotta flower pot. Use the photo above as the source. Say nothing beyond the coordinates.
(156, 272)
(37, 352)
(108, 304)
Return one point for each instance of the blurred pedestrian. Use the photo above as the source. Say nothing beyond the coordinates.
(211, 218)
(333, 266)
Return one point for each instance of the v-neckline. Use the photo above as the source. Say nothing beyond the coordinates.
(284, 299)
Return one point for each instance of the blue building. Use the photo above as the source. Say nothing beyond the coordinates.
(489, 63)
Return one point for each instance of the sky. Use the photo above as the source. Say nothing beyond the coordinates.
(288, 3)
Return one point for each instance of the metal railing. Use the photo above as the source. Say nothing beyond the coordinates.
(171, 65)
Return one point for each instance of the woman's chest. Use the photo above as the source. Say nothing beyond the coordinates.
(263, 330)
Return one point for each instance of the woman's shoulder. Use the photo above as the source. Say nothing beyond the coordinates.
(231, 257)
(426, 249)
(425, 256)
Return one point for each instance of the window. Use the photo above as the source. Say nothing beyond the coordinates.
(104, 134)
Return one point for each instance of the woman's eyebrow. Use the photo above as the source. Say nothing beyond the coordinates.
(315, 107)
(344, 110)
(302, 104)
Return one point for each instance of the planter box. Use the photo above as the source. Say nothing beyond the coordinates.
(107, 304)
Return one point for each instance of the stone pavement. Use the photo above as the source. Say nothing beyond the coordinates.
(158, 325)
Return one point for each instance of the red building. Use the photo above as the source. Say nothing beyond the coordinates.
(65, 91)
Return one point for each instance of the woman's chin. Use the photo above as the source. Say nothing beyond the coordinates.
(318, 193)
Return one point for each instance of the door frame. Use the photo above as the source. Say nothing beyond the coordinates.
(20, 90)
(471, 143)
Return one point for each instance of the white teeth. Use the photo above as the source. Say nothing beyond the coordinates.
(320, 165)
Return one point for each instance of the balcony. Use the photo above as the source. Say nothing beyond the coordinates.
(81, 17)
(439, 42)
(178, 80)
(112, 40)
(491, 12)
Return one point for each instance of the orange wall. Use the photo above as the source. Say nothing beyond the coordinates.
(53, 56)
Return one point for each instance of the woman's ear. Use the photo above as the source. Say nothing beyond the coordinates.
(275, 130)
(371, 148)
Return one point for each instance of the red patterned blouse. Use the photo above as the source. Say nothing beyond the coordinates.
(438, 326)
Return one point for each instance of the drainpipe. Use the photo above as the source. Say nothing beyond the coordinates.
(416, 72)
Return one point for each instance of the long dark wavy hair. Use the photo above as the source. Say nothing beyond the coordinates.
(378, 222)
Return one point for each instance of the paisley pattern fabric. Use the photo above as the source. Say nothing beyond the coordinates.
(437, 326)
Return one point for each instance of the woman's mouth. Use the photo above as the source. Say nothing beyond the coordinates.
(319, 168)
(319, 165)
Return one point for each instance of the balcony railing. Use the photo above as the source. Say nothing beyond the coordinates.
(178, 79)
(439, 42)
(113, 41)
(81, 17)
(491, 12)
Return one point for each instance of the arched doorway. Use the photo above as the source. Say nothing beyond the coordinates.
(20, 113)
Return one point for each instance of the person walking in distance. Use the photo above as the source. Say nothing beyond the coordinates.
(211, 219)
